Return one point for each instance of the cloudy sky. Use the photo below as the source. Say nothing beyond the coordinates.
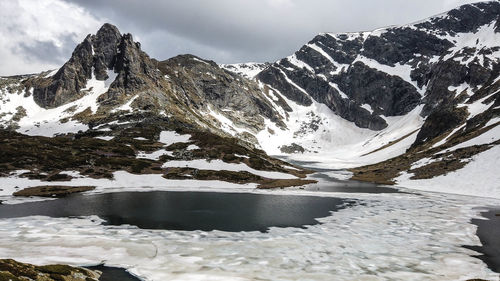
(37, 35)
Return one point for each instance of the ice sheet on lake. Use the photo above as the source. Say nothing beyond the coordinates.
(369, 242)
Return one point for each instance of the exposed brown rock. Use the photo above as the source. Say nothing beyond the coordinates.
(52, 190)
(11, 270)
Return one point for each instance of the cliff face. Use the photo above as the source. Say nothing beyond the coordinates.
(352, 98)
(13, 270)
(108, 75)
(388, 72)
(101, 56)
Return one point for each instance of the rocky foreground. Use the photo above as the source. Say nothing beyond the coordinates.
(11, 270)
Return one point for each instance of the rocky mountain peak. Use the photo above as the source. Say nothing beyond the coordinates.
(107, 50)
(105, 44)
(464, 19)
(367, 76)
(108, 30)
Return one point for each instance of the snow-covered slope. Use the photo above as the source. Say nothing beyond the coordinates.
(36, 120)
(479, 177)
(248, 70)
(427, 90)
(410, 87)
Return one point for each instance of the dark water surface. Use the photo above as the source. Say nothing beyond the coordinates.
(113, 273)
(187, 210)
(488, 232)
(331, 184)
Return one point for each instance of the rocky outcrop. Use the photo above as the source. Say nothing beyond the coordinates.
(184, 88)
(136, 71)
(440, 121)
(52, 191)
(11, 270)
(105, 49)
(363, 77)
(94, 56)
(203, 86)
(276, 77)
(98, 55)
(392, 70)
(387, 95)
(247, 70)
(464, 19)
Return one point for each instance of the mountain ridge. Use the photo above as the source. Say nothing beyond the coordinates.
(408, 92)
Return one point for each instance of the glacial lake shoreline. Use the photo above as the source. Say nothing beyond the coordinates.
(223, 211)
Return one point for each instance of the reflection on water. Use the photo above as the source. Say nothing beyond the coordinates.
(489, 233)
(113, 273)
(186, 210)
(328, 182)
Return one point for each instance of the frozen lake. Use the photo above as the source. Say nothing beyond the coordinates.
(267, 235)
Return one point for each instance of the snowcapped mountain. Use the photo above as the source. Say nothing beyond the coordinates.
(415, 90)
(109, 76)
(112, 116)
(413, 102)
(247, 70)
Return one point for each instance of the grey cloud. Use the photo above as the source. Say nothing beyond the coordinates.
(37, 35)
(47, 51)
(263, 30)
(226, 31)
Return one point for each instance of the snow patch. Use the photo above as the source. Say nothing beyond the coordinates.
(227, 125)
(400, 70)
(492, 121)
(479, 177)
(477, 107)
(300, 64)
(154, 155)
(339, 67)
(106, 138)
(443, 141)
(484, 38)
(171, 137)
(488, 137)
(242, 156)
(459, 89)
(52, 73)
(198, 60)
(48, 122)
(293, 83)
(192, 147)
(367, 107)
(127, 106)
(122, 181)
(336, 87)
(248, 70)
(218, 165)
(422, 163)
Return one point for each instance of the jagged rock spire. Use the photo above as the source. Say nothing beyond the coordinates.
(105, 44)
(107, 50)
